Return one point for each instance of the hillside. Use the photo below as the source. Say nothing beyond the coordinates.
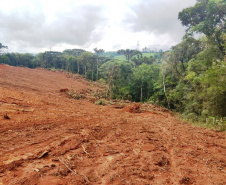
(122, 57)
(46, 137)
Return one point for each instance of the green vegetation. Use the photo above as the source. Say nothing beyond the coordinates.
(2, 47)
(122, 57)
(109, 54)
(190, 78)
(75, 95)
(100, 102)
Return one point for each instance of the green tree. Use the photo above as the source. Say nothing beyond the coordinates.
(53, 59)
(87, 60)
(26, 60)
(4, 59)
(185, 51)
(140, 59)
(73, 52)
(214, 90)
(76, 53)
(71, 63)
(128, 53)
(2, 47)
(98, 52)
(208, 17)
(117, 75)
(144, 78)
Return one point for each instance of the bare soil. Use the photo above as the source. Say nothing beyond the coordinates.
(46, 137)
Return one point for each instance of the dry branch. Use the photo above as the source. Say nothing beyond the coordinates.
(84, 150)
(74, 172)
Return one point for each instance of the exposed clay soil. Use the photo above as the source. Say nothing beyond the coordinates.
(48, 138)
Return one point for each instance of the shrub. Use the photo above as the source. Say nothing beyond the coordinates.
(100, 102)
(75, 95)
(192, 117)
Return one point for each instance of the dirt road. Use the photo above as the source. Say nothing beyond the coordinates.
(48, 138)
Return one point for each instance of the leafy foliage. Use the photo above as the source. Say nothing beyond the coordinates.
(128, 53)
(2, 47)
(207, 17)
(100, 102)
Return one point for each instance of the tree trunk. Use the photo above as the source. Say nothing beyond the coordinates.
(182, 63)
(85, 71)
(164, 88)
(148, 92)
(97, 69)
(92, 70)
(128, 58)
(78, 67)
(141, 91)
(107, 90)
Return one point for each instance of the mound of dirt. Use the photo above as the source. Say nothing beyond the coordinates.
(133, 108)
(64, 90)
(151, 107)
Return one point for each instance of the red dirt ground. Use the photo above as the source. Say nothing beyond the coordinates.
(52, 139)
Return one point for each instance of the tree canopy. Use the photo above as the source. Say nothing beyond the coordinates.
(2, 47)
(128, 53)
(207, 17)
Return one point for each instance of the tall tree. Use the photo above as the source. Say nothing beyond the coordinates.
(52, 59)
(74, 52)
(183, 52)
(98, 52)
(144, 77)
(86, 59)
(2, 47)
(208, 17)
(116, 74)
(140, 59)
(128, 53)
(71, 63)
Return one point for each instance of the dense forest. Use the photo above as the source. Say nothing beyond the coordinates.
(190, 78)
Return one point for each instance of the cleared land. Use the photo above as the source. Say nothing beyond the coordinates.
(48, 138)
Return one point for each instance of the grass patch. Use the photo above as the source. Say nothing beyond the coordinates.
(100, 102)
(210, 123)
(75, 95)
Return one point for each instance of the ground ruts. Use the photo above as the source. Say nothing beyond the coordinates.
(50, 138)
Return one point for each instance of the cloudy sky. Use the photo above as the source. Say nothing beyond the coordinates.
(40, 25)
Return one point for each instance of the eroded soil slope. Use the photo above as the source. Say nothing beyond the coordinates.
(49, 138)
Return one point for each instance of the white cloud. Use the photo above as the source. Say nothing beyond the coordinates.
(37, 25)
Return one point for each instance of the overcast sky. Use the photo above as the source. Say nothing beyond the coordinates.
(40, 25)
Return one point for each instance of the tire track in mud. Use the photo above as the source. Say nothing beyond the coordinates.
(185, 149)
(49, 142)
(127, 150)
(162, 162)
(66, 141)
(170, 144)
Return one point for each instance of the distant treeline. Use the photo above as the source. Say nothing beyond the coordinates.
(75, 60)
